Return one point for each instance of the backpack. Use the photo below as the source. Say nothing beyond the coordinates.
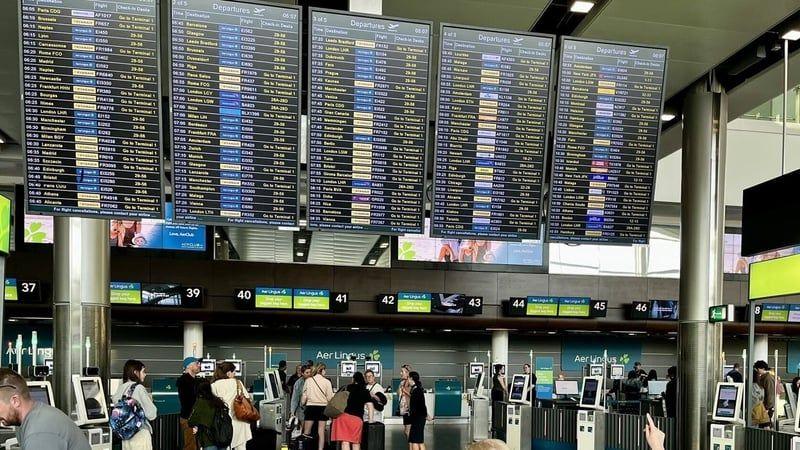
(222, 430)
(127, 416)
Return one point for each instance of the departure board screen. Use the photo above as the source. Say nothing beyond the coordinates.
(608, 121)
(90, 74)
(368, 120)
(494, 90)
(235, 112)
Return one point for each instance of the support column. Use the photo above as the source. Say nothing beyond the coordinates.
(193, 339)
(760, 351)
(81, 303)
(500, 349)
(705, 118)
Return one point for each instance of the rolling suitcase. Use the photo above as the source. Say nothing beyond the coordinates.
(374, 436)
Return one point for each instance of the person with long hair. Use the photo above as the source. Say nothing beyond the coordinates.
(317, 392)
(348, 426)
(405, 397)
(499, 390)
(133, 374)
(418, 412)
(201, 418)
(226, 386)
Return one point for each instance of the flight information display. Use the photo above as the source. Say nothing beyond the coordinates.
(235, 112)
(608, 121)
(368, 120)
(494, 90)
(90, 73)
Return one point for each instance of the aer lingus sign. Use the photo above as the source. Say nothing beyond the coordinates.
(330, 348)
(578, 351)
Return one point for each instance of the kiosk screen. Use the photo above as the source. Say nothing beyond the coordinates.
(517, 388)
(567, 388)
(40, 392)
(725, 406)
(275, 385)
(589, 395)
(93, 399)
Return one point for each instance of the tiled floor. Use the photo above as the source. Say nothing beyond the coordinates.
(438, 436)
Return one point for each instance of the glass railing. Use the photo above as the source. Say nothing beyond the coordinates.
(773, 109)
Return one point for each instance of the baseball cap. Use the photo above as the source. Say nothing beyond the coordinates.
(189, 360)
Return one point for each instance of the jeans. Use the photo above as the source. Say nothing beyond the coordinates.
(142, 440)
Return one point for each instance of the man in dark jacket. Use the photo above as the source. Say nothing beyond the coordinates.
(187, 394)
(671, 394)
(767, 382)
(735, 374)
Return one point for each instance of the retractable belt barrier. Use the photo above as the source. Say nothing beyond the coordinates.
(758, 439)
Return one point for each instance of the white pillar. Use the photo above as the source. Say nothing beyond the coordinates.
(500, 348)
(366, 6)
(760, 350)
(193, 339)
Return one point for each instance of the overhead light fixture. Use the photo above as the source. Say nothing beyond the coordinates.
(551, 332)
(581, 6)
(666, 117)
(384, 244)
(355, 328)
(2, 141)
(300, 254)
(447, 330)
(253, 325)
(372, 262)
(791, 35)
(301, 241)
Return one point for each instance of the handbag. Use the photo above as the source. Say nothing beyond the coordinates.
(243, 408)
(760, 415)
(337, 404)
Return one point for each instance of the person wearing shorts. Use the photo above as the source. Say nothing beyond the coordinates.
(405, 397)
(317, 392)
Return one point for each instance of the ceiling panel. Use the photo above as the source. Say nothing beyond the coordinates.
(699, 34)
(340, 249)
(507, 14)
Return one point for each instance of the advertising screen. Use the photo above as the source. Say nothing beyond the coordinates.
(664, 310)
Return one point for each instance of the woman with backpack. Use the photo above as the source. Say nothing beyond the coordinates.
(227, 387)
(211, 420)
(347, 427)
(133, 375)
(317, 392)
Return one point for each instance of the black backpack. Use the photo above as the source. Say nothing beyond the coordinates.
(222, 430)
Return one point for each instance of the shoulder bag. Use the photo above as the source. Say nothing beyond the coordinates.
(243, 408)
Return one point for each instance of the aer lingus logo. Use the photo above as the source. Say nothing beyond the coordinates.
(375, 355)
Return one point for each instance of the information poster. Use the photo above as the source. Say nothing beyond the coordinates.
(368, 121)
(273, 298)
(493, 103)
(608, 121)
(236, 112)
(544, 377)
(90, 73)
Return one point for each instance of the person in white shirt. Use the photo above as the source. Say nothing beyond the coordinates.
(374, 388)
(133, 375)
(227, 387)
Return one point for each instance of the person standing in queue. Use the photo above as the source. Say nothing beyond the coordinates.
(766, 381)
(201, 419)
(298, 373)
(735, 375)
(133, 375)
(296, 408)
(187, 395)
(371, 414)
(526, 369)
(317, 392)
(499, 385)
(418, 413)
(405, 397)
(40, 426)
(671, 394)
(347, 428)
(226, 386)
(282, 375)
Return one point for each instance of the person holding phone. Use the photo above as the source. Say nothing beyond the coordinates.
(654, 436)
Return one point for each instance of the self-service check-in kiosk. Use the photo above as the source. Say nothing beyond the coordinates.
(91, 411)
(518, 414)
(271, 408)
(481, 405)
(727, 429)
(591, 416)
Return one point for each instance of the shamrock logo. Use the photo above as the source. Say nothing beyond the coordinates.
(375, 355)
(625, 359)
(33, 233)
(406, 252)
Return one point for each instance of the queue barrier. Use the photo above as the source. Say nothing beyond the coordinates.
(557, 429)
(758, 439)
(166, 433)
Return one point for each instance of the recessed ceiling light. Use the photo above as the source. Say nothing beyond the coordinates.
(355, 328)
(447, 330)
(300, 254)
(551, 332)
(301, 241)
(666, 117)
(372, 261)
(791, 35)
(2, 141)
(581, 6)
(253, 325)
(384, 244)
